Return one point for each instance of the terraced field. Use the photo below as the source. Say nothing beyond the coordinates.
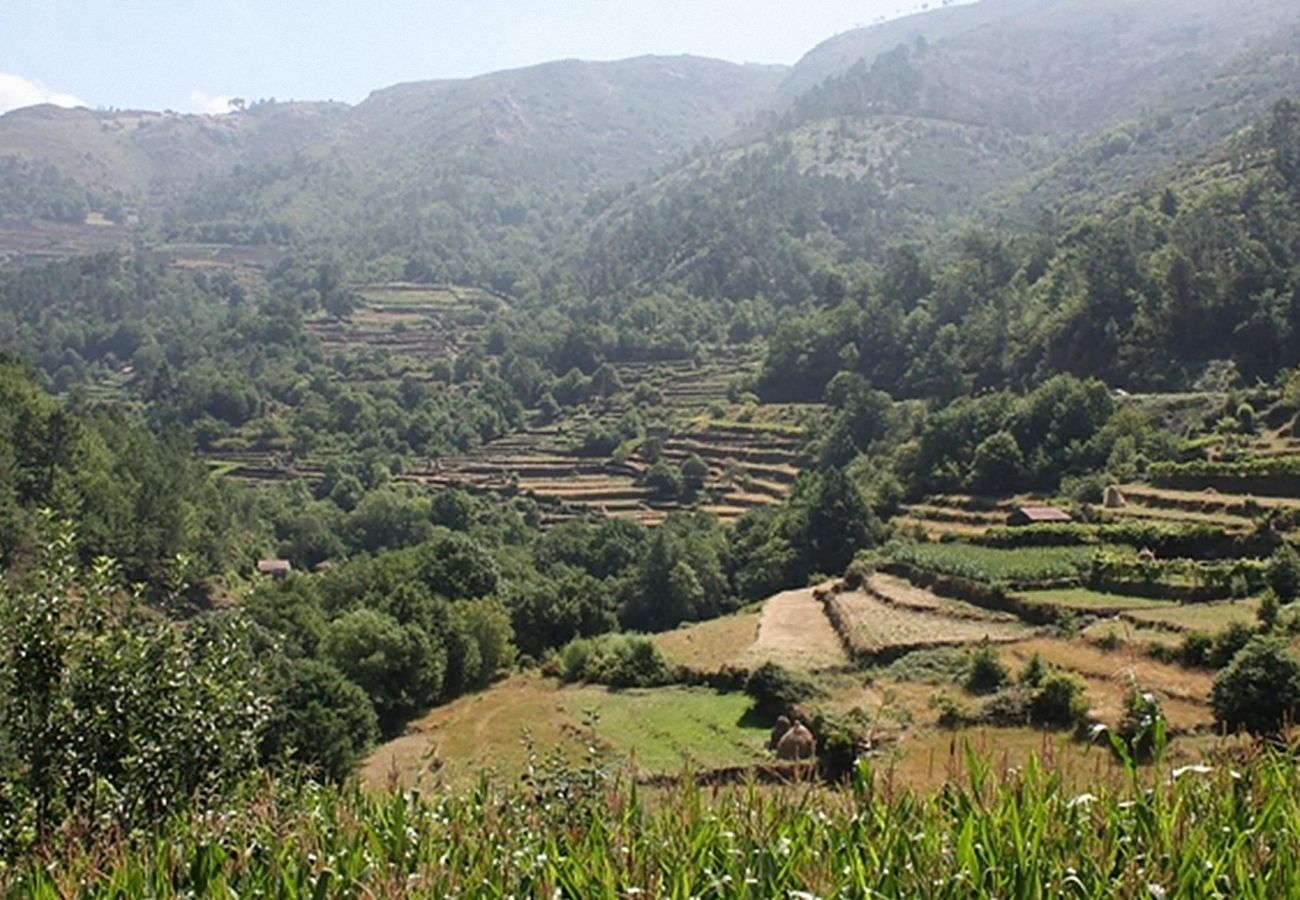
(795, 632)
(902, 593)
(877, 629)
(753, 452)
(415, 323)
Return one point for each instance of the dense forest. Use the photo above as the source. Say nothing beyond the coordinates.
(943, 267)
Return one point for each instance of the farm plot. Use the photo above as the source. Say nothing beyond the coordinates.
(1134, 635)
(663, 730)
(1085, 600)
(1204, 617)
(1024, 565)
(415, 322)
(901, 592)
(879, 630)
(708, 646)
(795, 632)
(1184, 692)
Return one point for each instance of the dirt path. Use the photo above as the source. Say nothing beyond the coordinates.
(795, 632)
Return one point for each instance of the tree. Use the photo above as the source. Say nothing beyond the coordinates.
(319, 719)
(1259, 691)
(839, 521)
(997, 465)
(986, 673)
(1283, 573)
(114, 714)
(695, 472)
(399, 667)
(664, 480)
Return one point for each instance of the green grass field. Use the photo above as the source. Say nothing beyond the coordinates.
(667, 729)
(1207, 617)
(1087, 600)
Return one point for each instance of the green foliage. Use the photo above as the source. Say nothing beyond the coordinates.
(618, 660)
(1283, 573)
(1034, 565)
(979, 836)
(115, 716)
(985, 673)
(998, 465)
(776, 690)
(1259, 691)
(1055, 700)
(680, 576)
(318, 719)
(1142, 722)
(400, 667)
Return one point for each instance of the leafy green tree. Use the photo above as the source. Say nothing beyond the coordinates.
(400, 667)
(114, 714)
(695, 472)
(997, 465)
(318, 719)
(986, 673)
(1283, 573)
(1259, 691)
(839, 521)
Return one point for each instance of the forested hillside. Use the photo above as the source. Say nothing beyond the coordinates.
(567, 439)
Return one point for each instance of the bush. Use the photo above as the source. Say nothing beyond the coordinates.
(1228, 643)
(776, 689)
(986, 673)
(617, 660)
(1283, 573)
(1055, 701)
(1259, 691)
(1058, 702)
(1196, 649)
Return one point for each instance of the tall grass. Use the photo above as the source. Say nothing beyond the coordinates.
(1194, 832)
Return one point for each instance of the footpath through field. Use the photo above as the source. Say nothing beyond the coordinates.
(795, 632)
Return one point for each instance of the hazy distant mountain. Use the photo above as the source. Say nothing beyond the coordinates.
(572, 123)
(654, 172)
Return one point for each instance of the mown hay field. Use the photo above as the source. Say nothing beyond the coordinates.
(876, 628)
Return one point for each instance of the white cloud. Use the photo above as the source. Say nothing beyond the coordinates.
(17, 92)
(209, 104)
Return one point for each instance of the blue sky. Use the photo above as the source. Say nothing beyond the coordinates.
(192, 54)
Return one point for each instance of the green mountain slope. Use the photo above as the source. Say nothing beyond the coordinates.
(1009, 109)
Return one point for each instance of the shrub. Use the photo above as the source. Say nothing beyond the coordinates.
(1270, 611)
(1259, 691)
(1283, 573)
(617, 660)
(1228, 643)
(1195, 650)
(986, 673)
(1008, 707)
(951, 713)
(1058, 702)
(1033, 672)
(776, 689)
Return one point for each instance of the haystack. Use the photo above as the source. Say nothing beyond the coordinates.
(798, 743)
(1115, 498)
(778, 731)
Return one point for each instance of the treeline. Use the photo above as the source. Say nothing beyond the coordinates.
(30, 190)
(139, 499)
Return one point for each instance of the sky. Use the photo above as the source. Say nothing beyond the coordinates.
(194, 55)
